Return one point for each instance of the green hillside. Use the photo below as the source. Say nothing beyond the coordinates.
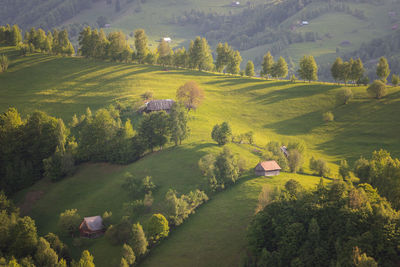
(274, 110)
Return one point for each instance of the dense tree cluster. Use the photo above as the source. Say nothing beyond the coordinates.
(25, 144)
(56, 42)
(383, 172)
(270, 68)
(352, 70)
(324, 227)
(20, 244)
(10, 35)
(95, 44)
(222, 170)
(180, 207)
(42, 146)
(227, 59)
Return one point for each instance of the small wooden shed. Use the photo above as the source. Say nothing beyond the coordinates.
(91, 227)
(267, 168)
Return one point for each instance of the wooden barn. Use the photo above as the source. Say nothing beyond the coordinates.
(267, 168)
(159, 105)
(91, 227)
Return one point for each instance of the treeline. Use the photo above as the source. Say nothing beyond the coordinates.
(387, 46)
(342, 225)
(42, 146)
(56, 42)
(383, 172)
(20, 244)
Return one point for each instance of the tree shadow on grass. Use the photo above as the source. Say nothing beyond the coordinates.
(300, 91)
(299, 125)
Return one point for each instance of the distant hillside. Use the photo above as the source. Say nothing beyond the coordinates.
(288, 28)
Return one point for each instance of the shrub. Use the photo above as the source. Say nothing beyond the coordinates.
(320, 167)
(107, 218)
(377, 89)
(344, 96)
(344, 170)
(128, 254)
(4, 62)
(328, 116)
(69, 221)
(395, 79)
(147, 95)
(157, 227)
(138, 241)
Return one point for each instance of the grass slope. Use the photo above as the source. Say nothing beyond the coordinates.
(274, 110)
(216, 234)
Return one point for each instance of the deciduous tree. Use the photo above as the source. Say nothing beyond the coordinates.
(190, 94)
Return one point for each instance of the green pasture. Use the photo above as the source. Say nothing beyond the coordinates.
(274, 110)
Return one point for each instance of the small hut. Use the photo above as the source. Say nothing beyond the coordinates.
(267, 168)
(91, 227)
(159, 105)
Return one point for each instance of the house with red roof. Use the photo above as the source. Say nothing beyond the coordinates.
(267, 168)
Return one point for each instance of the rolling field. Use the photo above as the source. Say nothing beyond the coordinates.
(274, 110)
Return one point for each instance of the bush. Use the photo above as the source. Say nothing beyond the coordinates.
(120, 233)
(328, 116)
(179, 208)
(157, 227)
(344, 96)
(320, 167)
(138, 241)
(147, 95)
(69, 221)
(395, 79)
(4, 62)
(377, 89)
(107, 218)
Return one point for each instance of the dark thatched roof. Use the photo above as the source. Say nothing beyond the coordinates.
(156, 105)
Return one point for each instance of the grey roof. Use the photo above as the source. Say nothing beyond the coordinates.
(94, 223)
(163, 104)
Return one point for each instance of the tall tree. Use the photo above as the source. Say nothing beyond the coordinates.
(164, 53)
(267, 64)
(16, 36)
(250, 69)
(224, 52)
(154, 130)
(181, 58)
(357, 70)
(200, 56)
(280, 68)
(178, 119)
(308, 69)
(382, 69)
(233, 66)
(141, 45)
(336, 69)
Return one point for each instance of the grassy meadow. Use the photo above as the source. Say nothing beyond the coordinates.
(275, 110)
